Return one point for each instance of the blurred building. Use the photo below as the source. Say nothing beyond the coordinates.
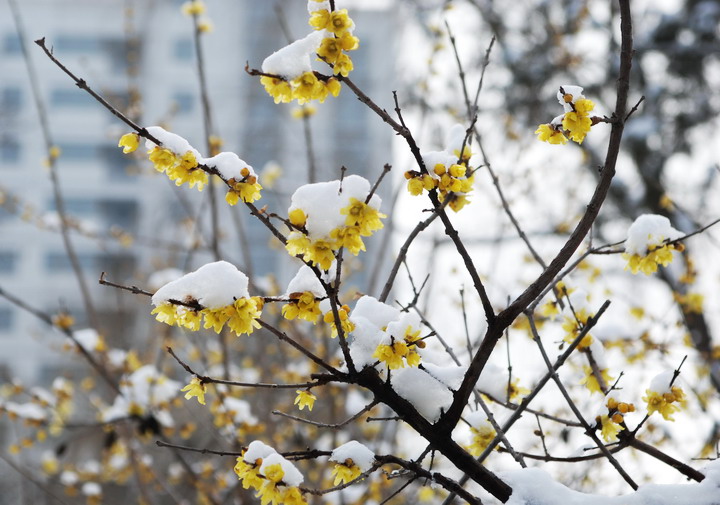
(141, 56)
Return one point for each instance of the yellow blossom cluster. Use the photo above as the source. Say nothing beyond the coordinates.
(246, 189)
(656, 255)
(344, 315)
(344, 472)
(241, 317)
(575, 123)
(304, 88)
(268, 484)
(573, 324)
(452, 182)
(302, 306)
(665, 403)
(361, 221)
(482, 436)
(179, 167)
(340, 26)
(591, 380)
(401, 352)
(691, 302)
(612, 423)
(197, 389)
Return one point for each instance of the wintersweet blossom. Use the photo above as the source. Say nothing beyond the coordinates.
(345, 472)
(483, 434)
(304, 399)
(647, 245)
(547, 133)
(345, 323)
(302, 306)
(666, 403)
(129, 142)
(592, 382)
(196, 388)
(575, 123)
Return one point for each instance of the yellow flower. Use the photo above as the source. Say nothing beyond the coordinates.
(305, 399)
(339, 22)
(584, 106)
(293, 496)
(664, 403)
(415, 186)
(392, 355)
(345, 323)
(330, 49)
(216, 318)
(648, 264)
(248, 473)
(481, 438)
(302, 112)
(590, 381)
(333, 86)
(609, 429)
(307, 87)
(348, 237)
(348, 42)
(189, 319)
(345, 472)
(302, 306)
(320, 253)
(297, 218)
(278, 88)
(691, 302)
(577, 124)
(165, 313)
(248, 191)
(319, 19)
(547, 133)
(244, 314)
(129, 142)
(343, 65)
(362, 215)
(274, 473)
(195, 388)
(162, 158)
(193, 8)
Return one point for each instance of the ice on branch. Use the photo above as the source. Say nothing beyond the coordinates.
(447, 171)
(217, 292)
(352, 459)
(574, 123)
(241, 178)
(429, 396)
(144, 390)
(274, 478)
(330, 215)
(664, 395)
(646, 245)
(532, 485)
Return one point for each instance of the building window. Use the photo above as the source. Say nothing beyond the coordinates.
(7, 317)
(11, 44)
(184, 102)
(10, 100)
(9, 150)
(8, 262)
(78, 152)
(184, 50)
(77, 43)
(71, 97)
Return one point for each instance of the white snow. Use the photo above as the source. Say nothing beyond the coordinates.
(171, 141)
(649, 230)
(451, 376)
(429, 396)
(305, 280)
(536, 487)
(213, 285)
(293, 60)
(376, 312)
(229, 165)
(570, 89)
(88, 338)
(257, 450)
(91, 489)
(661, 382)
(292, 476)
(321, 202)
(357, 452)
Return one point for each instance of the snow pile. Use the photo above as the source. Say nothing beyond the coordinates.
(647, 232)
(258, 451)
(305, 280)
(573, 92)
(213, 286)
(171, 141)
(229, 165)
(355, 451)
(537, 487)
(293, 60)
(429, 396)
(322, 202)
